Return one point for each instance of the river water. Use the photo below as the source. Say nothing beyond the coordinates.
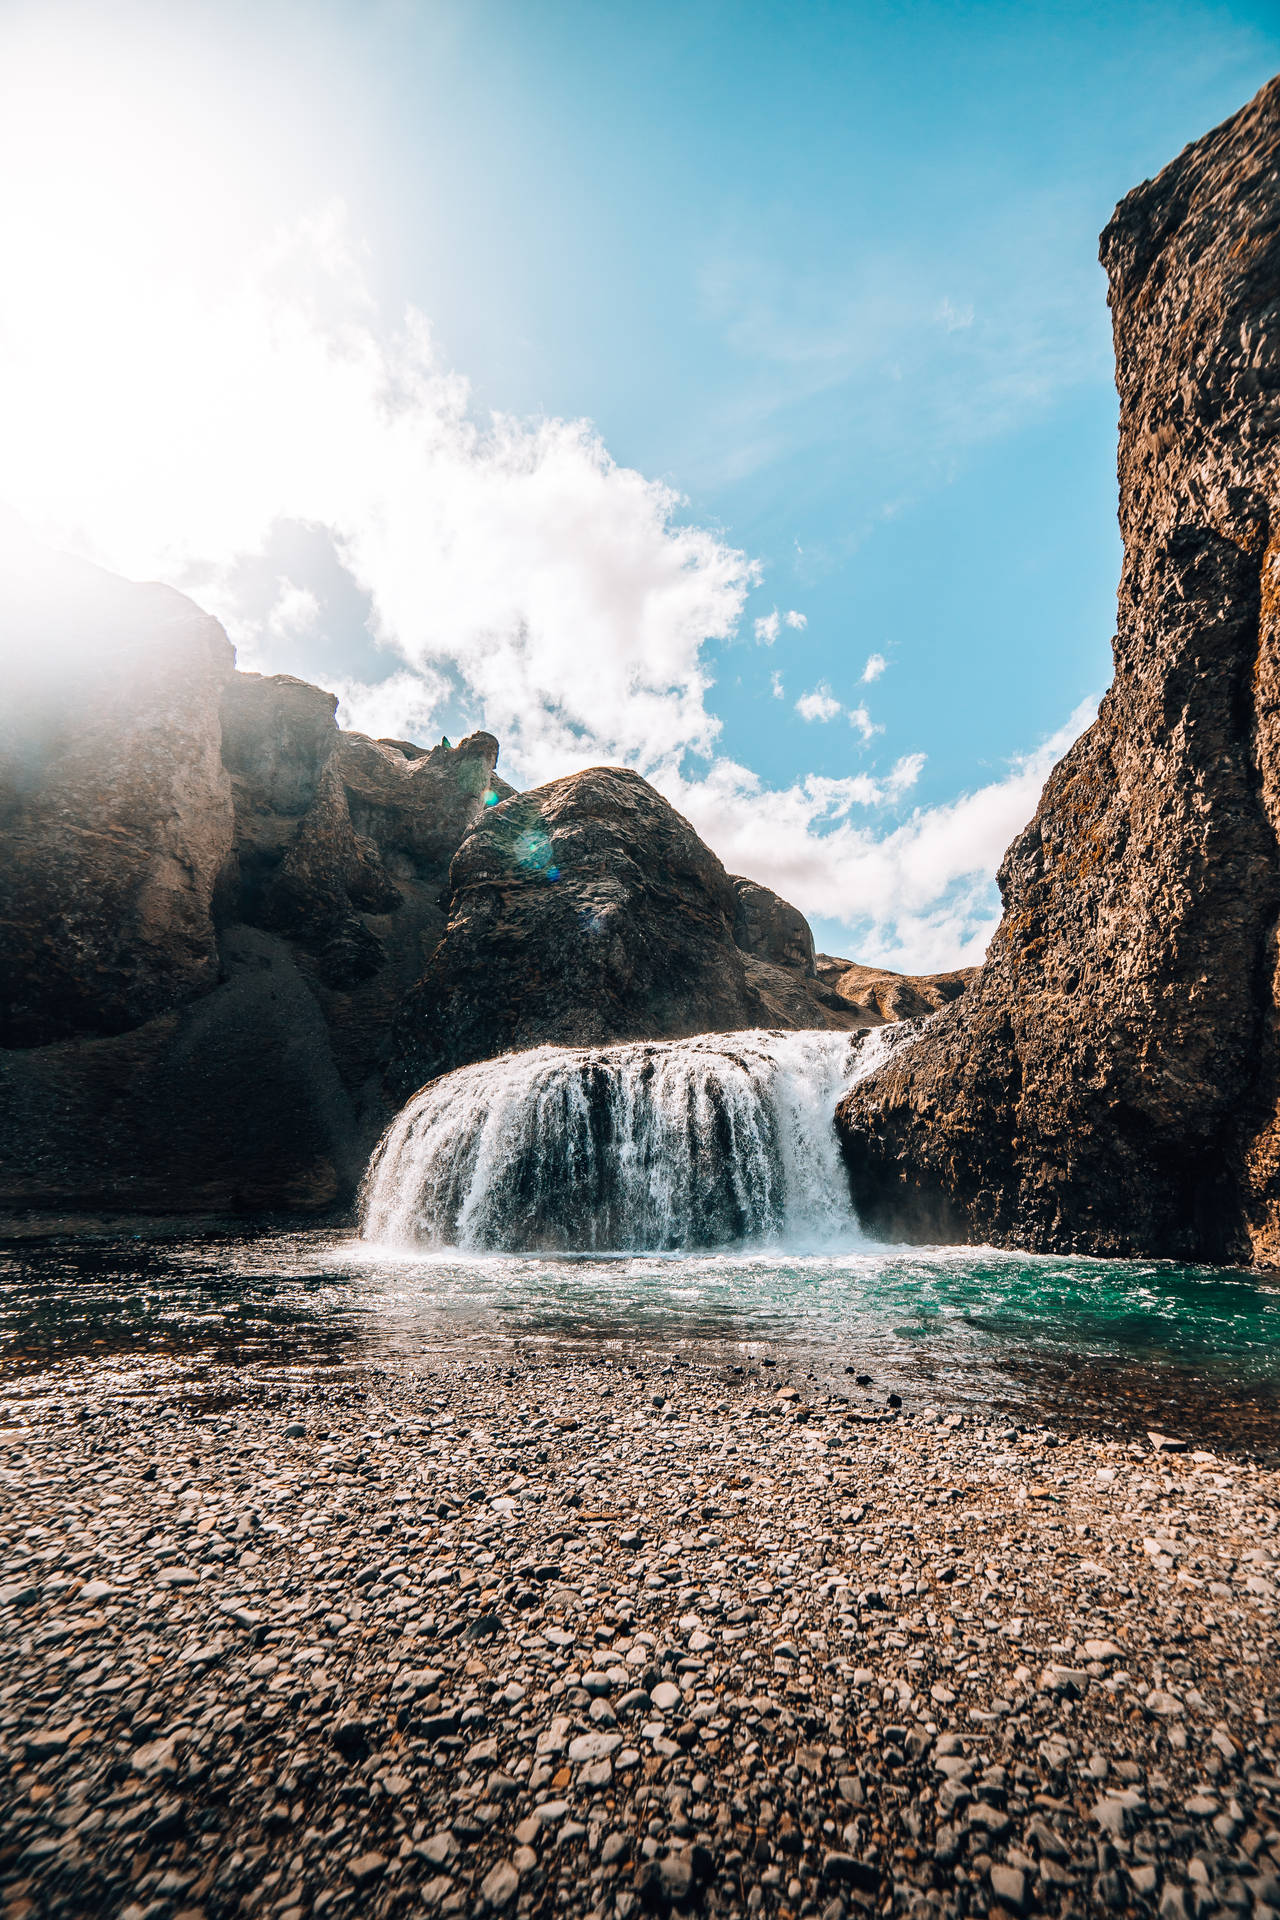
(711, 1167)
(1124, 1342)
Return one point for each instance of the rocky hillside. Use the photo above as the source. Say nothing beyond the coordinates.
(233, 936)
(1111, 1082)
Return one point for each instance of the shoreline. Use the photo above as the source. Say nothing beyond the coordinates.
(1192, 1357)
(514, 1637)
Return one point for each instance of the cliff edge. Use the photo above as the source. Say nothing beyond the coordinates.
(1111, 1082)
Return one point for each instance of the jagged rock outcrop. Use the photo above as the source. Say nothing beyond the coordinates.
(1110, 1081)
(115, 807)
(213, 902)
(335, 831)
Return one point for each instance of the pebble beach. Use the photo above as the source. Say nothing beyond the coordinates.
(621, 1637)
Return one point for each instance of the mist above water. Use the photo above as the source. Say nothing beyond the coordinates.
(723, 1140)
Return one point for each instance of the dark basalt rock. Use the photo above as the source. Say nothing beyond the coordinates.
(1109, 1083)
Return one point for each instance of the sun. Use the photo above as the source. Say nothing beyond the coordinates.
(135, 208)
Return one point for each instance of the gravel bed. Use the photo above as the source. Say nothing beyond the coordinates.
(608, 1638)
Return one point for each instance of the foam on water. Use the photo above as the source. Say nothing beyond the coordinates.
(723, 1140)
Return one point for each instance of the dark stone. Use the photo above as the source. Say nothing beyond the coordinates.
(169, 1821)
(438, 1726)
(1109, 1083)
(351, 1738)
(846, 1870)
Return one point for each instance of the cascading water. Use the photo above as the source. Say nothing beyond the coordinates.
(721, 1140)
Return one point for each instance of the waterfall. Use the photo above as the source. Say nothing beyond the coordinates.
(726, 1139)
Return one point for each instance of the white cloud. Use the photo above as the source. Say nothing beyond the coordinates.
(821, 704)
(294, 614)
(797, 620)
(776, 687)
(861, 722)
(918, 897)
(566, 591)
(955, 319)
(876, 664)
(212, 395)
(904, 774)
(403, 706)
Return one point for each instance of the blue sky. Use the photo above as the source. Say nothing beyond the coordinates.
(825, 272)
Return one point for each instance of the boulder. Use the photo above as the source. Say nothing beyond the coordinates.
(115, 806)
(581, 912)
(1109, 1083)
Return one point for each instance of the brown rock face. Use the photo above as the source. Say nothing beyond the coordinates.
(213, 902)
(115, 807)
(1110, 1082)
(333, 828)
(884, 996)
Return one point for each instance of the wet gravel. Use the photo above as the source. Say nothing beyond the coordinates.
(611, 1638)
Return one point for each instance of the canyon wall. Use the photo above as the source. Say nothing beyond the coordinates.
(1109, 1084)
(212, 901)
(233, 936)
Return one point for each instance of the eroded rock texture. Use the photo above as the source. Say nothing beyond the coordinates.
(115, 807)
(884, 996)
(1110, 1081)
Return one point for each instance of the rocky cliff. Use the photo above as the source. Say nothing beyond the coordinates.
(1111, 1081)
(233, 935)
(212, 901)
(115, 807)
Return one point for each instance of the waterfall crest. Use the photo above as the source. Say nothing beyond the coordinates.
(722, 1140)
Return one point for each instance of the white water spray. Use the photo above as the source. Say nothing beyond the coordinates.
(726, 1139)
